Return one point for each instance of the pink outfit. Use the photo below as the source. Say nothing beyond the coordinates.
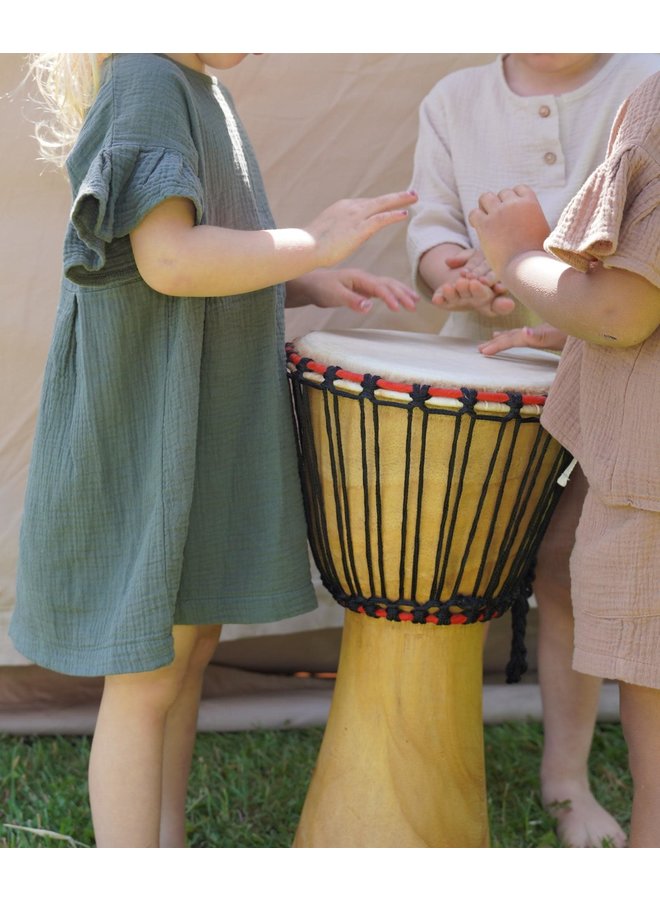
(604, 406)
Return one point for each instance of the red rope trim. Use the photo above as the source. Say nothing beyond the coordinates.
(453, 393)
(455, 619)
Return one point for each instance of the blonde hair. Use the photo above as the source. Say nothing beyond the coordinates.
(68, 84)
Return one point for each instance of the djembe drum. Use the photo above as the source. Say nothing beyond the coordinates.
(427, 489)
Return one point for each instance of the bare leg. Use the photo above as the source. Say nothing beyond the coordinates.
(126, 761)
(570, 699)
(640, 717)
(180, 734)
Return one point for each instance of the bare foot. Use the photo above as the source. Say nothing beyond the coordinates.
(580, 820)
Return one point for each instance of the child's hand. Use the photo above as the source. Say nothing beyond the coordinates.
(509, 223)
(472, 263)
(471, 293)
(353, 288)
(473, 286)
(343, 227)
(543, 337)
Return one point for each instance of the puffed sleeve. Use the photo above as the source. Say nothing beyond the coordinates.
(121, 186)
(615, 218)
(135, 150)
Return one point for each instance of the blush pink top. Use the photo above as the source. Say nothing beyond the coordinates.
(604, 405)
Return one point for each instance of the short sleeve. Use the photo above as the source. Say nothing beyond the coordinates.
(122, 184)
(615, 218)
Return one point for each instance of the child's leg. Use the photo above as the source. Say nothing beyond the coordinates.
(180, 733)
(570, 699)
(126, 762)
(640, 718)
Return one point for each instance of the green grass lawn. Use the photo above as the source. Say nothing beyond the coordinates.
(247, 788)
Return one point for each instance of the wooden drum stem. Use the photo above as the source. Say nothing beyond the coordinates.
(402, 758)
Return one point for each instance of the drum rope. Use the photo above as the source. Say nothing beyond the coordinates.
(404, 516)
(354, 578)
(530, 537)
(310, 477)
(367, 511)
(418, 518)
(509, 583)
(457, 497)
(379, 500)
(498, 498)
(436, 587)
(482, 500)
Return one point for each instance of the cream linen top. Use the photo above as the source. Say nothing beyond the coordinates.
(604, 405)
(476, 135)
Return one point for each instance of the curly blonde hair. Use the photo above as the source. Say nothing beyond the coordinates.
(68, 84)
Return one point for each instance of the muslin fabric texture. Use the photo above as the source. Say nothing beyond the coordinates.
(476, 134)
(163, 485)
(605, 403)
(605, 407)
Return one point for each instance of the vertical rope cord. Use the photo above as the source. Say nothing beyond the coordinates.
(335, 488)
(517, 665)
(420, 493)
(543, 508)
(459, 493)
(504, 427)
(528, 544)
(437, 585)
(365, 489)
(357, 588)
(511, 530)
(404, 511)
(525, 491)
(379, 504)
(313, 497)
(477, 515)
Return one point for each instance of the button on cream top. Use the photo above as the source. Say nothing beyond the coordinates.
(550, 158)
(544, 111)
(453, 165)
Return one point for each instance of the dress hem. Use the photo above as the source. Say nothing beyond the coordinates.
(145, 656)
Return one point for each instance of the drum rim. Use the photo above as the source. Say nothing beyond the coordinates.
(400, 387)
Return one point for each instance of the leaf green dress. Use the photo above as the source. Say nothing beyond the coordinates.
(163, 485)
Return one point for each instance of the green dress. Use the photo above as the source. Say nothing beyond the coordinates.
(163, 485)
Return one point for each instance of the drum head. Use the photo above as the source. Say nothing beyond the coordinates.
(414, 358)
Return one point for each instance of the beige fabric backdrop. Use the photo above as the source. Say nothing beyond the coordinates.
(324, 126)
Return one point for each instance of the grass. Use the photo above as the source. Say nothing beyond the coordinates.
(513, 753)
(247, 788)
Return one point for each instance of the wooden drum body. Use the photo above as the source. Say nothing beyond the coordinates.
(428, 486)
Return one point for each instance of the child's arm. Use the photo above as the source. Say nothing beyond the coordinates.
(178, 258)
(460, 279)
(349, 287)
(610, 307)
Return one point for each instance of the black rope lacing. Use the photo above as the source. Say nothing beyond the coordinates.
(507, 551)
